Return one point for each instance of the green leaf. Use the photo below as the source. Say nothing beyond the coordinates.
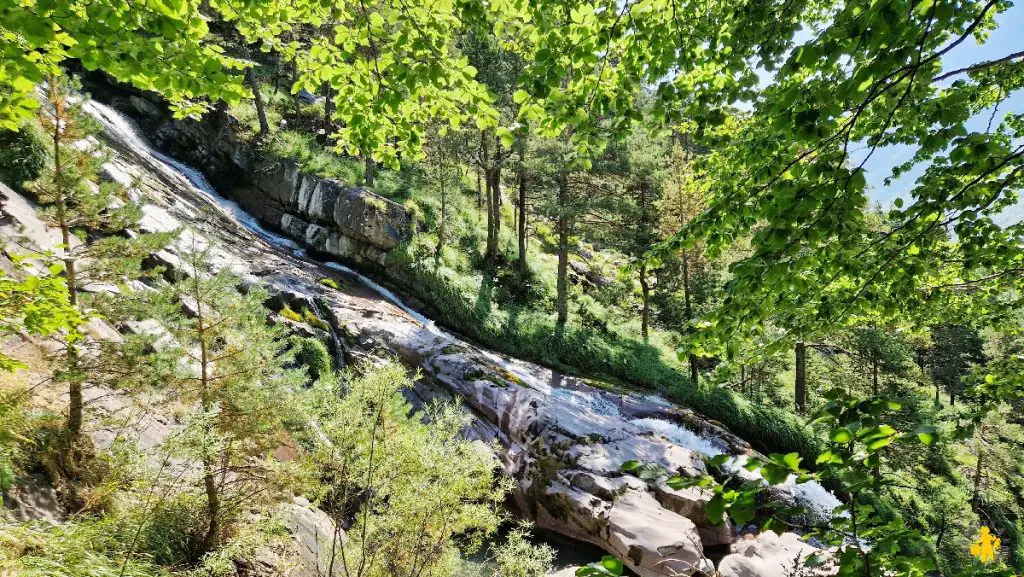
(841, 435)
(926, 434)
(607, 566)
(716, 509)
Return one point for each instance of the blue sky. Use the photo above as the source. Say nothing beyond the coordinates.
(1006, 39)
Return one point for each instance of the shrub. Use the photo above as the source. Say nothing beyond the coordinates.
(23, 155)
(313, 355)
(71, 549)
(518, 557)
(415, 493)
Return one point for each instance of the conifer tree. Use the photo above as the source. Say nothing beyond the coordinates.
(233, 370)
(91, 217)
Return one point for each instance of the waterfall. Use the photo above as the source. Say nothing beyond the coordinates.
(811, 494)
(581, 410)
(124, 130)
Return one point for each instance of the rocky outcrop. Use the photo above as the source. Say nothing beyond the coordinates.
(327, 216)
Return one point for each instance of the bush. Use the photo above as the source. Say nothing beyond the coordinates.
(171, 533)
(414, 493)
(313, 355)
(87, 548)
(23, 156)
(519, 557)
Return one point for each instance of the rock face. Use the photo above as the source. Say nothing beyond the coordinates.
(324, 215)
(769, 555)
(562, 440)
(327, 216)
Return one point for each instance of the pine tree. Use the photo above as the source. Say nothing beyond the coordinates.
(234, 370)
(91, 216)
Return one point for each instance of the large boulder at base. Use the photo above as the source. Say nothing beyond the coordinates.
(769, 555)
(653, 541)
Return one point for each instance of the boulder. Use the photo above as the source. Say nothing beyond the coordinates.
(314, 534)
(326, 215)
(769, 555)
(652, 540)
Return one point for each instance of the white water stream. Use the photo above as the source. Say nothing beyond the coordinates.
(819, 501)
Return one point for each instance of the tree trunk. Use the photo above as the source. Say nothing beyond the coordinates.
(874, 377)
(495, 203)
(296, 100)
(688, 310)
(261, 111)
(368, 170)
(562, 285)
(978, 469)
(75, 400)
(479, 189)
(444, 208)
(523, 269)
(645, 295)
(801, 377)
(212, 538)
(489, 248)
(328, 111)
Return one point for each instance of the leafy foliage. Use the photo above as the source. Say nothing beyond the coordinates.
(413, 495)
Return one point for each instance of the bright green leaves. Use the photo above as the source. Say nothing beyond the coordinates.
(735, 497)
(180, 62)
(788, 174)
(926, 434)
(37, 303)
(608, 566)
(393, 68)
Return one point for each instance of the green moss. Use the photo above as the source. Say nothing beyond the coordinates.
(489, 376)
(290, 314)
(545, 471)
(314, 321)
(454, 350)
(331, 283)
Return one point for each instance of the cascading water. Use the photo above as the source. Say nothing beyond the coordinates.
(811, 494)
(124, 130)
